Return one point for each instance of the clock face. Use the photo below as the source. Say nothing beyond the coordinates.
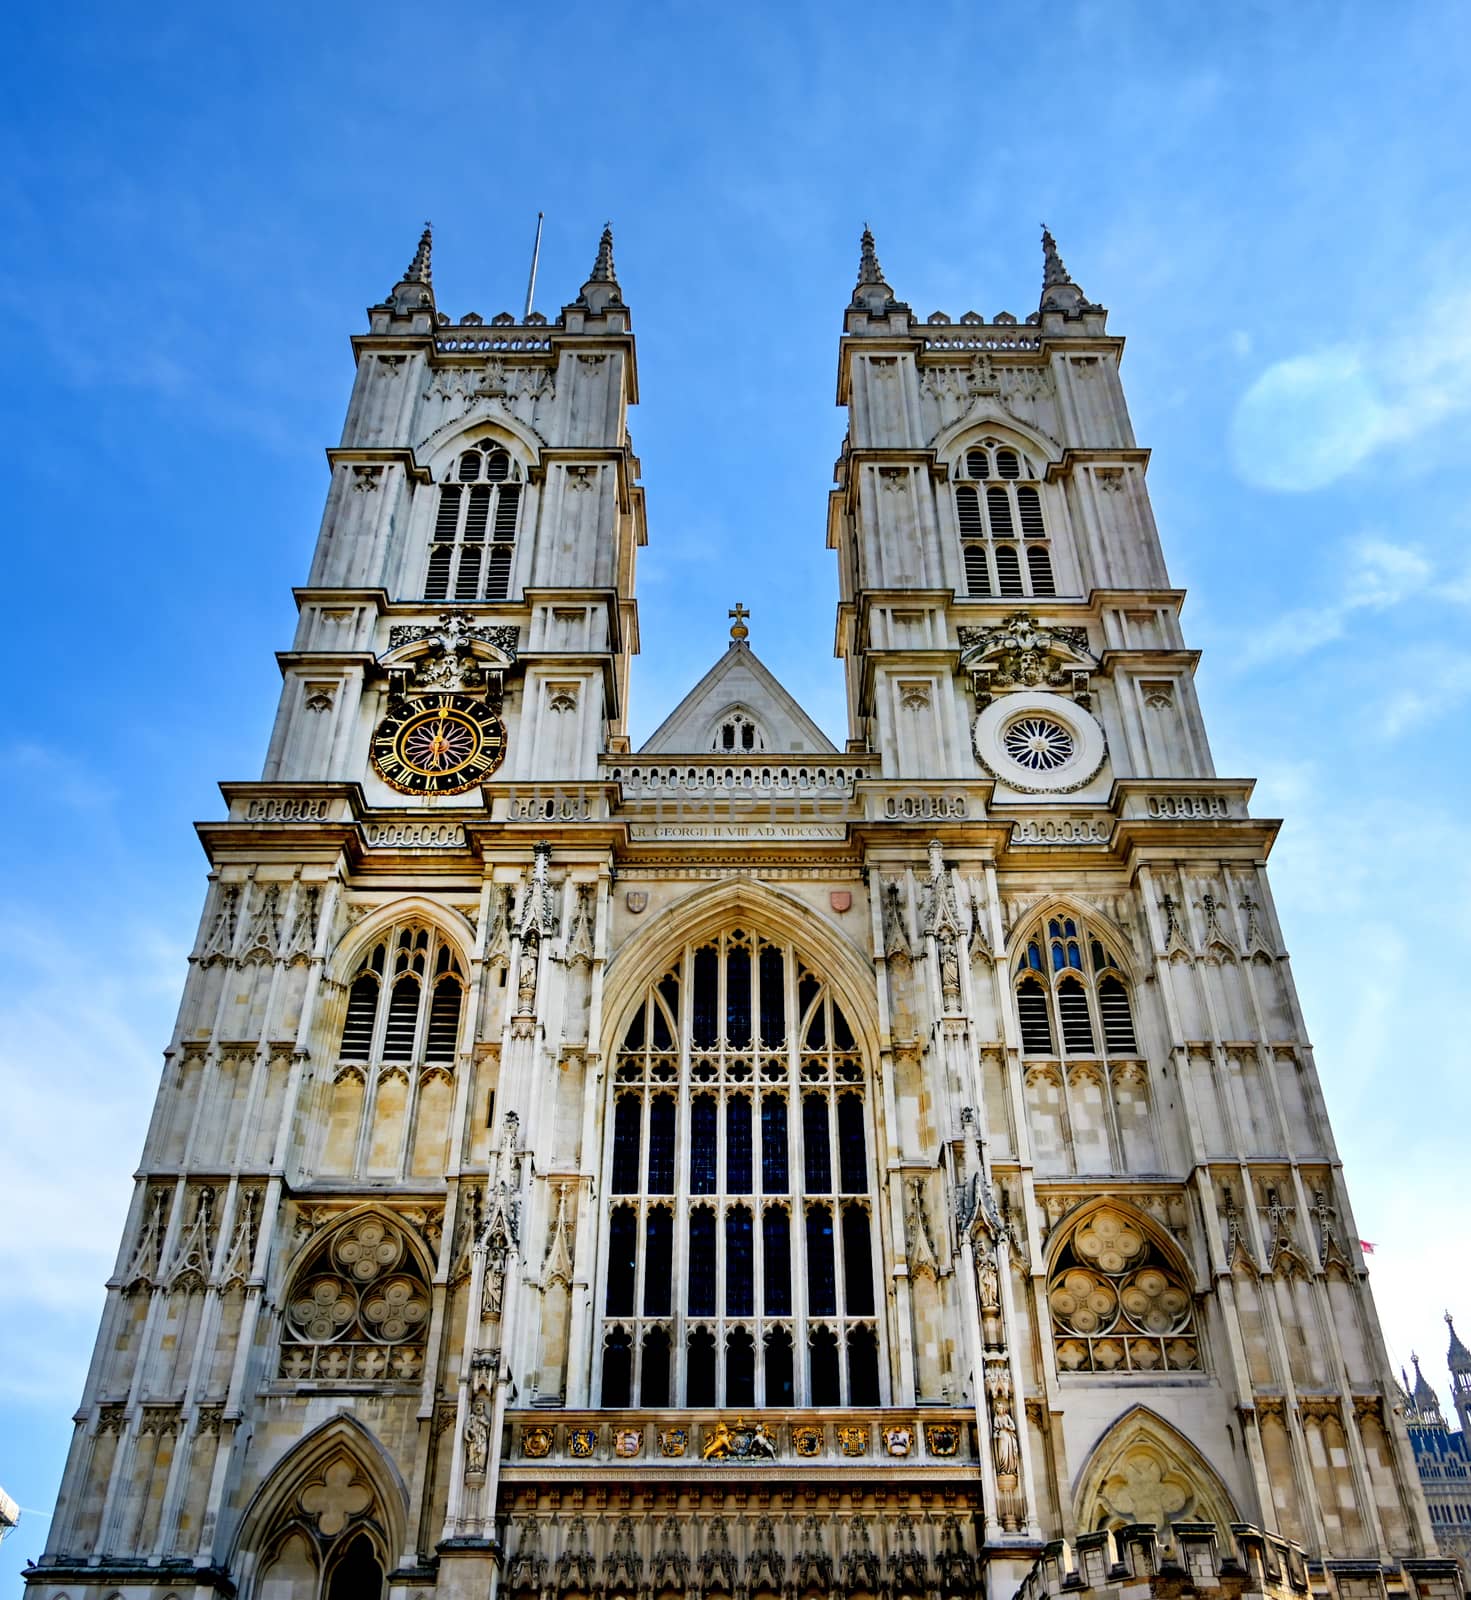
(441, 744)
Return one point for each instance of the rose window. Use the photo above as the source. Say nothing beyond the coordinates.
(1118, 1304)
(1038, 743)
(359, 1308)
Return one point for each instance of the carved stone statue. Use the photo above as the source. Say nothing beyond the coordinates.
(1005, 1451)
(477, 1438)
(526, 979)
(950, 973)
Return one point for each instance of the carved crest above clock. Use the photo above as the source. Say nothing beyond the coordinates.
(1022, 652)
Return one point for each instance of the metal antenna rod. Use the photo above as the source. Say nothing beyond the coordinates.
(535, 257)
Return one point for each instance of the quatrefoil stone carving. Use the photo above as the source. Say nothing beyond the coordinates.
(337, 1499)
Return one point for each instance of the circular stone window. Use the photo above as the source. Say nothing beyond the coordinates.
(1039, 743)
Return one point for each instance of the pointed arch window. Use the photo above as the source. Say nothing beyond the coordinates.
(1120, 1301)
(1070, 992)
(405, 999)
(765, 1250)
(1003, 534)
(475, 523)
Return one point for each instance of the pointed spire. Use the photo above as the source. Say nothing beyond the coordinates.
(1458, 1357)
(601, 289)
(415, 290)
(420, 268)
(1053, 271)
(871, 293)
(603, 270)
(1427, 1404)
(869, 270)
(1059, 292)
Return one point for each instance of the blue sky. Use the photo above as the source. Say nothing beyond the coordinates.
(1273, 201)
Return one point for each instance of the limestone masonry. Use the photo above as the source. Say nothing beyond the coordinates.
(740, 1166)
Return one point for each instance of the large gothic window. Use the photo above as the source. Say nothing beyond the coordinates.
(475, 526)
(1120, 1302)
(1071, 999)
(742, 1265)
(1003, 536)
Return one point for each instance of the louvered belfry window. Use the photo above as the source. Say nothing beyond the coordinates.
(1003, 536)
(1071, 997)
(742, 1263)
(475, 522)
(403, 1004)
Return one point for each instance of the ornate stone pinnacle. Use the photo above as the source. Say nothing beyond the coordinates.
(869, 270)
(420, 268)
(1053, 270)
(603, 270)
(1059, 292)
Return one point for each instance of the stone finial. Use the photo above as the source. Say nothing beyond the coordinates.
(1053, 271)
(603, 270)
(420, 268)
(871, 292)
(414, 292)
(1059, 292)
(601, 289)
(739, 632)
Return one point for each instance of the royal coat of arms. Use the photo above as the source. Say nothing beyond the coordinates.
(582, 1441)
(739, 1441)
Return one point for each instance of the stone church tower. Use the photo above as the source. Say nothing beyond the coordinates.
(739, 1167)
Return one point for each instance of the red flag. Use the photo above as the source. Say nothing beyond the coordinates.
(1366, 1247)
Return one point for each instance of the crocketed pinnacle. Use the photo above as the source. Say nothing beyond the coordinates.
(1458, 1357)
(603, 270)
(1426, 1402)
(869, 270)
(420, 268)
(1053, 270)
(1059, 292)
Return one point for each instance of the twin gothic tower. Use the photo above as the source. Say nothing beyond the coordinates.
(739, 1166)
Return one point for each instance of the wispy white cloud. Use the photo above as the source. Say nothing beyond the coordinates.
(1377, 574)
(76, 1081)
(1312, 418)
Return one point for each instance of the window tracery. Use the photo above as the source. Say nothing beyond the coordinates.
(475, 523)
(1003, 534)
(1119, 1303)
(741, 1259)
(329, 1541)
(357, 1307)
(1070, 989)
(737, 733)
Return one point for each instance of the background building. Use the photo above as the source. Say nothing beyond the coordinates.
(743, 1164)
(1443, 1456)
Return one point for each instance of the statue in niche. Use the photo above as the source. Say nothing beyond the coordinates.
(526, 979)
(1005, 1451)
(950, 973)
(477, 1438)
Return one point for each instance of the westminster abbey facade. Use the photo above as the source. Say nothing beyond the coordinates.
(740, 1166)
